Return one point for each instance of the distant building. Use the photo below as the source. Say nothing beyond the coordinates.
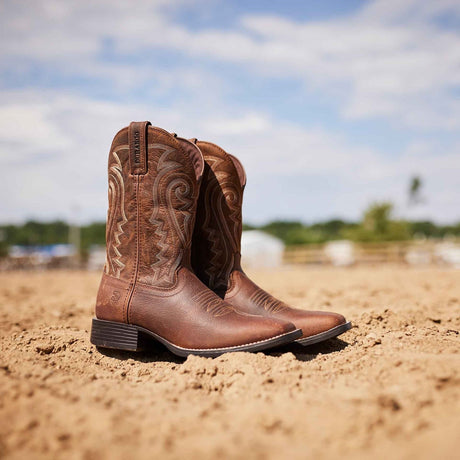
(261, 250)
(448, 253)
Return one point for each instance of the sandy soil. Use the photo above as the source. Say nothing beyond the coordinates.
(389, 388)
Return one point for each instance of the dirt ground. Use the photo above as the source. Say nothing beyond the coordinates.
(388, 388)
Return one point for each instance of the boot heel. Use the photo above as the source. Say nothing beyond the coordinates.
(120, 336)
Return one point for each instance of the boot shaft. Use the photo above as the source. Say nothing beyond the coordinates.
(216, 249)
(154, 182)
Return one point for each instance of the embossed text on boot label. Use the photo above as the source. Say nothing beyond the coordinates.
(137, 147)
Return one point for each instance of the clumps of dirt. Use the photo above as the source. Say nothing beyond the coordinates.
(388, 387)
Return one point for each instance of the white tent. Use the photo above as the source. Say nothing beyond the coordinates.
(448, 252)
(261, 250)
(341, 253)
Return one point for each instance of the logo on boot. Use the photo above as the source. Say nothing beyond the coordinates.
(116, 295)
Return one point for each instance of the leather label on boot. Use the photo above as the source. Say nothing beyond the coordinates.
(137, 137)
(137, 148)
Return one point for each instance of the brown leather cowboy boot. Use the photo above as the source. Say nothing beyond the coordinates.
(148, 290)
(217, 244)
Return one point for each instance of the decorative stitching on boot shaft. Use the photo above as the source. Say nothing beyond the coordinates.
(114, 265)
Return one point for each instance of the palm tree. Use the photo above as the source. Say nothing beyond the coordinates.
(415, 187)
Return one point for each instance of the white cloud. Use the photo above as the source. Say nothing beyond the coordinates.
(279, 157)
(29, 127)
(250, 123)
(390, 59)
(409, 10)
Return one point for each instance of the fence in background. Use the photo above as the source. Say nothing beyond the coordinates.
(337, 253)
(344, 253)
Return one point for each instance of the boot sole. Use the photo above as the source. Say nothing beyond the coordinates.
(330, 334)
(121, 336)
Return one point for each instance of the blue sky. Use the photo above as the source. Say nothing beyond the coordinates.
(330, 105)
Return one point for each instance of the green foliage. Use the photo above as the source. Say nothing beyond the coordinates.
(332, 229)
(304, 235)
(37, 233)
(296, 233)
(93, 234)
(451, 230)
(377, 225)
(394, 231)
(34, 233)
(3, 249)
(281, 229)
(429, 230)
(377, 218)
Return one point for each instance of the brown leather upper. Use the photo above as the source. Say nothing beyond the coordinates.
(154, 180)
(216, 249)
(217, 235)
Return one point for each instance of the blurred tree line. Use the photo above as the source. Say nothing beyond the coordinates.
(34, 233)
(376, 225)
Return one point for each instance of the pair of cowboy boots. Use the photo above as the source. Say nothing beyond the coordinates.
(172, 271)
